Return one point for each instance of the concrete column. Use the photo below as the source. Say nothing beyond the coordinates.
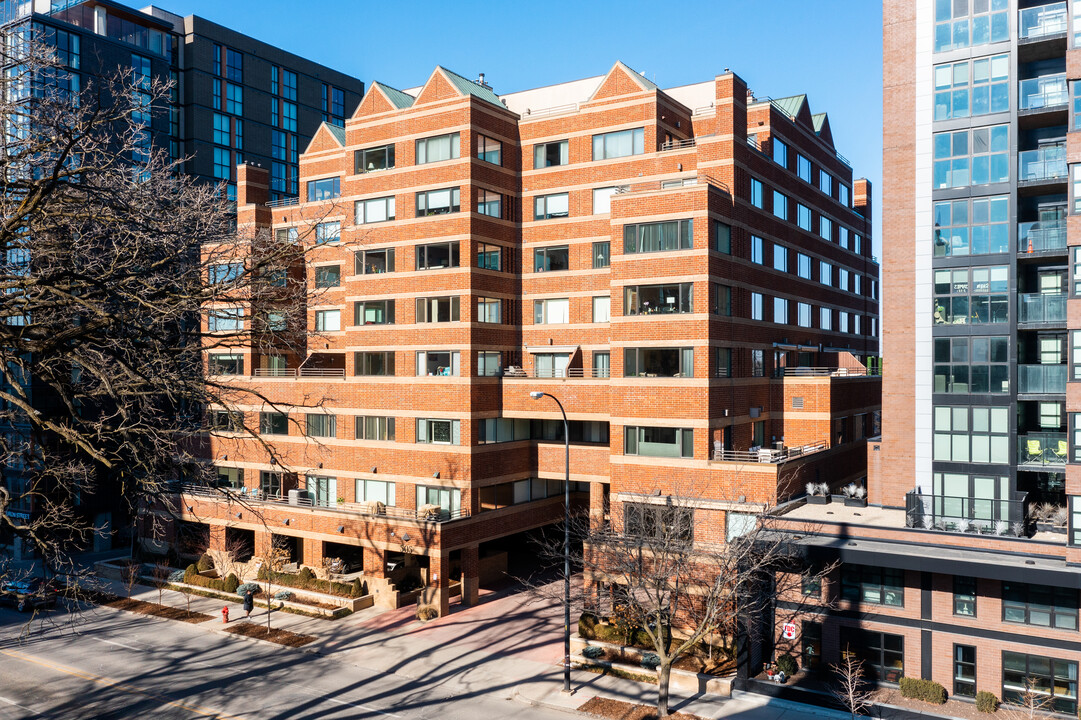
(217, 538)
(313, 552)
(471, 575)
(596, 505)
(440, 582)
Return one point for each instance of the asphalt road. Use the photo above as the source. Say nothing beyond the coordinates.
(120, 665)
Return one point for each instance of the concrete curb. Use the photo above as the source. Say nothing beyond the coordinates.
(805, 708)
(518, 696)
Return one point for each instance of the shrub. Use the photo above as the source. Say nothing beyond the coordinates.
(242, 589)
(787, 665)
(427, 612)
(986, 702)
(359, 589)
(587, 622)
(592, 652)
(650, 661)
(231, 583)
(189, 571)
(283, 595)
(926, 690)
(306, 575)
(205, 563)
(177, 576)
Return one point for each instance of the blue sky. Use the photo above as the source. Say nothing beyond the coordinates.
(829, 49)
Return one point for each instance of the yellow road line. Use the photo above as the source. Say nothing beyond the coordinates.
(123, 687)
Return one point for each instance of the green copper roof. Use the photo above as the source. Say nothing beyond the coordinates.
(790, 105)
(818, 120)
(469, 87)
(399, 99)
(337, 132)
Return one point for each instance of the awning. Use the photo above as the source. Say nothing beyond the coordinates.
(552, 349)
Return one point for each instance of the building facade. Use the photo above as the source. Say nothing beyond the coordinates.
(688, 271)
(964, 570)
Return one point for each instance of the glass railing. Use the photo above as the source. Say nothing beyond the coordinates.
(1042, 164)
(1041, 236)
(965, 514)
(1041, 308)
(1042, 449)
(1043, 20)
(1044, 91)
(1041, 379)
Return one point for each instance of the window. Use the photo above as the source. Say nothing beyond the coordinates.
(654, 299)
(373, 363)
(1041, 605)
(289, 85)
(602, 254)
(842, 321)
(811, 584)
(489, 203)
(971, 157)
(436, 149)
(974, 296)
(873, 585)
(225, 319)
(780, 310)
(619, 144)
(438, 363)
(270, 483)
(780, 152)
(273, 423)
(977, 434)
(372, 159)
(376, 490)
(803, 266)
(234, 99)
(602, 309)
(322, 490)
(489, 150)
(975, 87)
(374, 210)
(737, 524)
(546, 365)
(289, 116)
(803, 168)
(955, 28)
(964, 670)
(546, 207)
(658, 362)
(825, 228)
(842, 278)
(602, 364)
(234, 65)
(756, 193)
(602, 200)
(489, 364)
(373, 312)
(438, 202)
(551, 312)
(825, 318)
(757, 250)
(225, 273)
(489, 257)
(883, 654)
(438, 432)
(232, 478)
(658, 441)
(550, 154)
(322, 426)
(756, 306)
(976, 227)
(328, 276)
(724, 362)
(328, 232)
(722, 237)
(844, 195)
(803, 314)
(221, 130)
(437, 255)
(448, 501)
(964, 595)
(325, 189)
(438, 309)
(225, 364)
(722, 300)
(780, 205)
(971, 365)
(758, 365)
(803, 217)
(780, 258)
(489, 310)
(328, 320)
(551, 258)
(825, 273)
(374, 262)
(662, 522)
(223, 165)
(1047, 677)
(1075, 501)
(825, 182)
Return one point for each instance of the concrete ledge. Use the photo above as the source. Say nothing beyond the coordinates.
(681, 680)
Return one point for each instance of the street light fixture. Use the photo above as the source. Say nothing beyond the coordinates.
(537, 395)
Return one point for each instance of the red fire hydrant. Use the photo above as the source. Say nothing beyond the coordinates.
(225, 614)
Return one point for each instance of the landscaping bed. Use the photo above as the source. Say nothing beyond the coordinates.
(147, 608)
(274, 635)
(295, 604)
(619, 710)
(691, 663)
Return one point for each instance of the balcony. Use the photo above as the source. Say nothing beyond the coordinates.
(1042, 236)
(1043, 93)
(830, 372)
(1041, 379)
(1042, 449)
(966, 514)
(338, 373)
(1039, 22)
(558, 373)
(1041, 309)
(765, 455)
(1043, 165)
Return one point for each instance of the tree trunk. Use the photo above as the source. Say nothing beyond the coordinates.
(663, 675)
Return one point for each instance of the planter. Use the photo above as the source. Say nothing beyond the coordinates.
(818, 499)
(855, 502)
(1048, 527)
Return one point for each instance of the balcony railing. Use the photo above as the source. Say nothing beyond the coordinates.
(517, 372)
(1046, 163)
(1042, 20)
(300, 372)
(829, 372)
(1042, 449)
(1039, 308)
(283, 202)
(1041, 379)
(1041, 236)
(965, 514)
(677, 144)
(765, 455)
(1043, 92)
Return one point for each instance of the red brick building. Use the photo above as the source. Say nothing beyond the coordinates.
(688, 271)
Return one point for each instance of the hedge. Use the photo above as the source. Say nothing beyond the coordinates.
(986, 702)
(205, 563)
(591, 628)
(926, 690)
(228, 585)
(306, 580)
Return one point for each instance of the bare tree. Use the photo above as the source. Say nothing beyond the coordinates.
(161, 576)
(1032, 702)
(129, 576)
(852, 689)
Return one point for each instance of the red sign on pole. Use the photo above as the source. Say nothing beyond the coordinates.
(788, 631)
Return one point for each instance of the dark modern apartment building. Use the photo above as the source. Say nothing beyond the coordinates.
(964, 567)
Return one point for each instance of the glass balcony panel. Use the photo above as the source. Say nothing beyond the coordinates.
(1043, 20)
(1041, 308)
(1042, 449)
(1044, 91)
(1041, 379)
(1041, 236)
(1043, 164)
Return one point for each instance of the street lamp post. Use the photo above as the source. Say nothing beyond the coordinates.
(537, 395)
